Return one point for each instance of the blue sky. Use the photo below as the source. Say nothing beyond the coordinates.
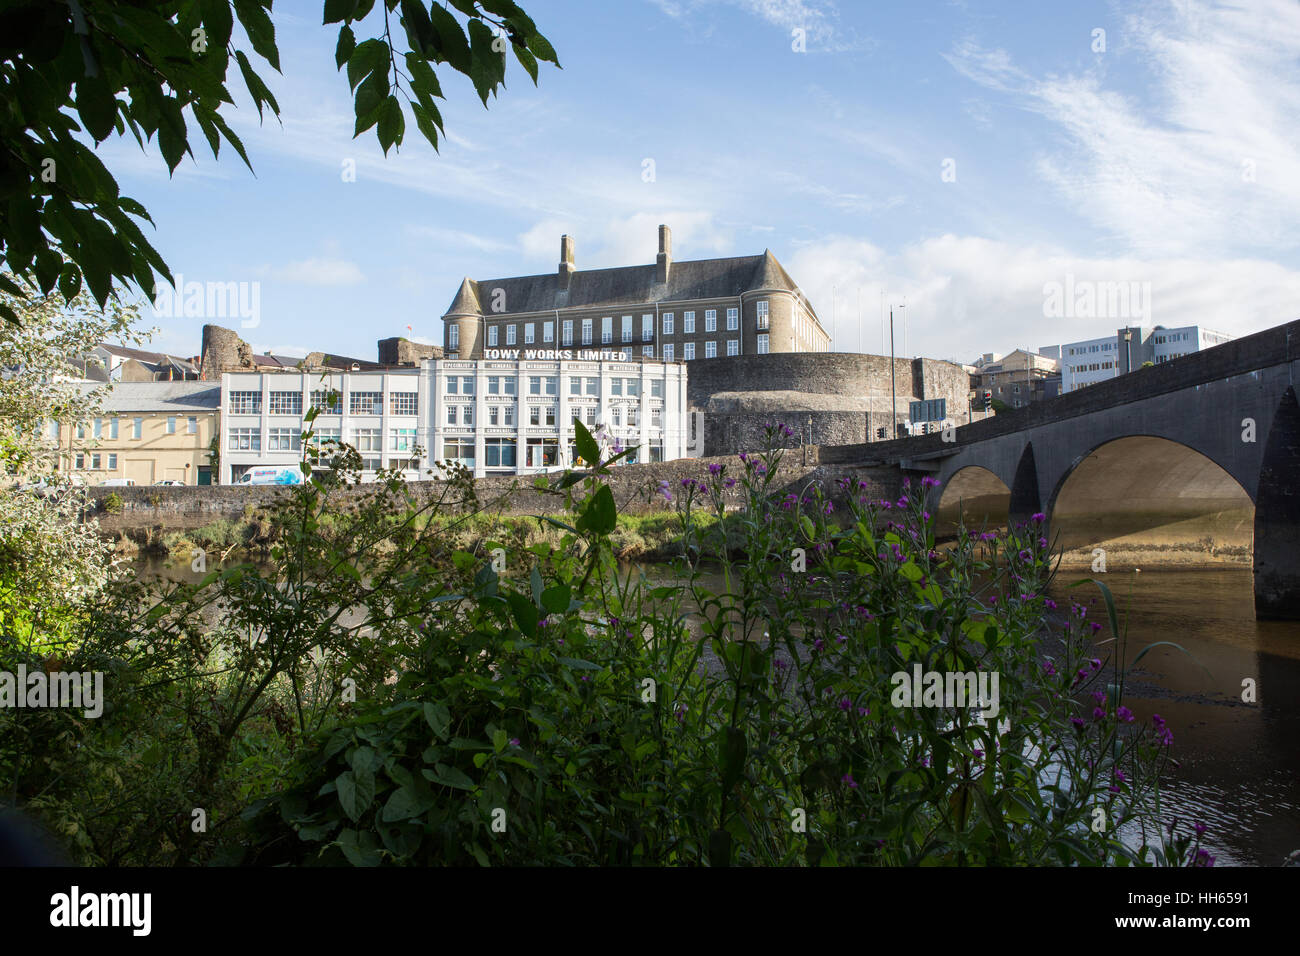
(1169, 159)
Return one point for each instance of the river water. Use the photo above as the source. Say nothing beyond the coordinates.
(1238, 763)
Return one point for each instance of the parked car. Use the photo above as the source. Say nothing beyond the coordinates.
(170, 481)
(45, 486)
(281, 475)
(118, 483)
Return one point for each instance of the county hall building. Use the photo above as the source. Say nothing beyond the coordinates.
(666, 311)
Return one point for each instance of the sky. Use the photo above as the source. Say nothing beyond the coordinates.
(951, 159)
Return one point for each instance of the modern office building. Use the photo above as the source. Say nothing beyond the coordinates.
(515, 416)
(1096, 360)
(379, 413)
(669, 311)
(493, 416)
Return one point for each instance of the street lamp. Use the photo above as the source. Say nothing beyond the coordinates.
(1128, 345)
(893, 379)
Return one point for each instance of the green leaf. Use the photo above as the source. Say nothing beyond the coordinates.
(336, 11)
(419, 28)
(359, 848)
(449, 777)
(439, 719)
(392, 124)
(218, 22)
(541, 48)
(556, 599)
(96, 106)
(347, 43)
(371, 94)
(405, 804)
(525, 613)
(256, 88)
(452, 45)
(261, 31)
(588, 449)
(370, 56)
(599, 514)
(355, 795)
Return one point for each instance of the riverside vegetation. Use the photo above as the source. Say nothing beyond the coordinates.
(395, 685)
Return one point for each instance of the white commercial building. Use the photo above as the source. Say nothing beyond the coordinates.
(506, 415)
(511, 415)
(263, 417)
(1096, 360)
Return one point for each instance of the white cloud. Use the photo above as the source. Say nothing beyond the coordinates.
(327, 272)
(968, 295)
(1201, 159)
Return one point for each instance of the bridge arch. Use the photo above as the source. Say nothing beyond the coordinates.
(1142, 495)
(975, 495)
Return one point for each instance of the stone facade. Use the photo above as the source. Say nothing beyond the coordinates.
(635, 489)
(400, 351)
(832, 398)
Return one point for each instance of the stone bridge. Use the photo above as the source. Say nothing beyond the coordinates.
(1205, 447)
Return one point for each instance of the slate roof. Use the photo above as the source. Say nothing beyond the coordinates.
(159, 359)
(178, 397)
(627, 285)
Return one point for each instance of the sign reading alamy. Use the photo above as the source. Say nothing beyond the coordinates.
(76, 689)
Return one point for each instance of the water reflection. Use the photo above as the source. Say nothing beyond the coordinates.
(1239, 763)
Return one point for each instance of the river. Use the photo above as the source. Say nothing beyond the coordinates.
(1238, 763)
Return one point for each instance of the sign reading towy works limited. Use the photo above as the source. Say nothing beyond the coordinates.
(589, 355)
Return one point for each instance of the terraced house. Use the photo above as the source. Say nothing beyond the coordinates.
(666, 311)
(147, 432)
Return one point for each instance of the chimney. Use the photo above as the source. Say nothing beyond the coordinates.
(665, 257)
(566, 261)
